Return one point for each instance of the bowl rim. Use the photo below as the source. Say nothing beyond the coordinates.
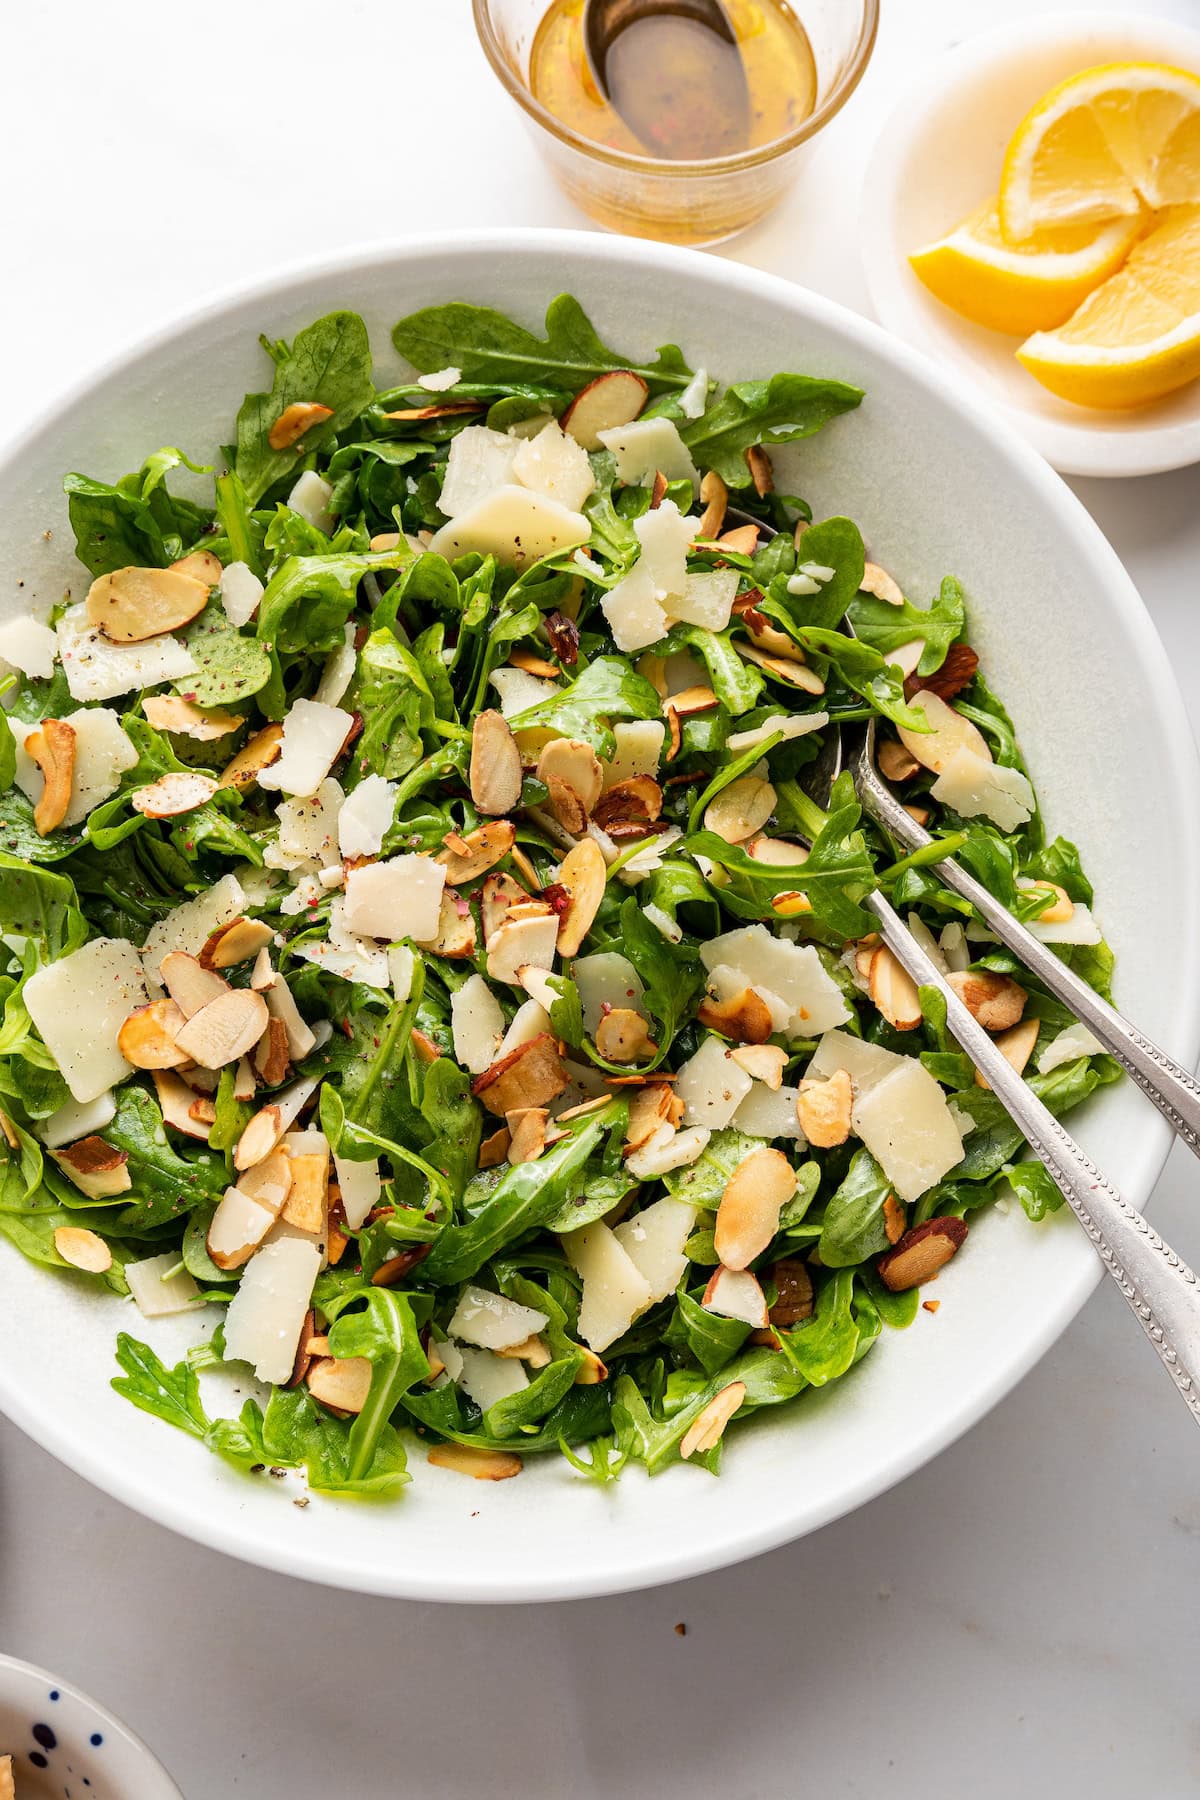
(218, 1530)
(17, 1675)
(1086, 443)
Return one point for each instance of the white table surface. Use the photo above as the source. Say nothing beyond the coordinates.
(1018, 1618)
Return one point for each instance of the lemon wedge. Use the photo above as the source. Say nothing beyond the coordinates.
(1137, 336)
(1100, 145)
(1025, 287)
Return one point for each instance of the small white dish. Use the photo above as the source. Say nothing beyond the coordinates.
(66, 1746)
(938, 157)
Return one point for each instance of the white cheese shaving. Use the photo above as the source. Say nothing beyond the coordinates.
(555, 465)
(241, 591)
(792, 725)
(906, 1124)
(1075, 1041)
(365, 817)
(694, 397)
(308, 830)
(633, 610)
(476, 1025)
(793, 971)
(189, 926)
(313, 735)
(492, 1321)
(78, 1119)
(29, 646)
(266, 1315)
(707, 599)
(160, 1287)
(653, 1240)
(973, 785)
(395, 899)
(439, 380)
(480, 461)
(518, 690)
(79, 1005)
(338, 672)
(646, 446)
(98, 670)
(513, 524)
(310, 498)
(711, 1086)
(102, 754)
(664, 535)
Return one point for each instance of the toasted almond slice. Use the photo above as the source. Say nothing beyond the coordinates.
(202, 565)
(693, 700)
(622, 1037)
(175, 1099)
(235, 943)
(675, 732)
(794, 1288)
(824, 1109)
(996, 1002)
(921, 814)
(243, 1082)
(894, 1218)
(780, 853)
(797, 674)
(466, 858)
(295, 420)
(148, 1038)
(584, 874)
(591, 1371)
(259, 1138)
(269, 1181)
(531, 1075)
(526, 1133)
(169, 712)
(483, 1465)
(53, 750)
(342, 1382)
(736, 1294)
(83, 1249)
(791, 905)
(768, 637)
(744, 1017)
(189, 983)
(306, 1206)
(895, 762)
(495, 765)
(921, 1252)
(524, 867)
(893, 991)
(130, 605)
(500, 894)
(567, 806)
(9, 1131)
(709, 1426)
(456, 927)
(203, 1111)
(255, 755)
(96, 1168)
(741, 809)
(638, 797)
(649, 1107)
(447, 409)
(494, 1149)
(742, 540)
(1063, 907)
(715, 497)
(748, 1215)
(613, 399)
(532, 1350)
(575, 763)
(658, 490)
(172, 795)
(761, 472)
(262, 976)
(272, 1058)
(225, 1029)
(764, 1062)
(1015, 1046)
(877, 581)
(534, 665)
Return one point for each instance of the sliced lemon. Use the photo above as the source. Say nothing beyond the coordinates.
(1027, 287)
(1137, 336)
(1099, 145)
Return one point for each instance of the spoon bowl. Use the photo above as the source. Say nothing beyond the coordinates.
(680, 86)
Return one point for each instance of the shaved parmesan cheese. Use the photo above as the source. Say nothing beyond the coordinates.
(1080, 928)
(664, 535)
(518, 942)
(736, 1294)
(555, 465)
(906, 1124)
(653, 1241)
(489, 1378)
(1074, 1042)
(792, 725)
(476, 1024)
(28, 646)
(666, 1149)
(159, 1286)
(79, 1004)
(529, 1021)
(519, 690)
(307, 892)
(395, 899)
(313, 735)
(769, 1113)
(662, 921)
(492, 1321)
(646, 446)
(191, 925)
(614, 1289)
(266, 1315)
(707, 598)
(973, 785)
(78, 1120)
(402, 966)
(451, 1358)
(635, 616)
(866, 1064)
(360, 1186)
(711, 1086)
(310, 498)
(694, 397)
(338, 672)
(439, 380)
(365, 817)
(606, 979)
(98, 670)
(513, 524)
(102, 754)
(346, 955)
(480, 460)
(650, 858)
(308, 829)
(794, 972)
(639, 745)
(725, 983)
(240, 591)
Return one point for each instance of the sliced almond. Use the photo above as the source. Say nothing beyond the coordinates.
(622, 1037)
(495, 765)
(259, 1138)
(307, 1201)
(921, 1252)
(272, 1058)
(526, 1133)
(244, 1085)
(638, 797)
(500, 894)
(877, 581)
(235, 943)
(572, 761)
(534, 665)
(1015, 1046)
(149, 1037)
(768, 637)
(715, 497)
(531, 1350)
(130, 605)
(744, 1017)
(456, 927)
(584, 875)
(1063, 907)
(893, 990)
(748, 1215)
(649, 1108)
(483, 1465)
(494, 1149)
(342, 1382)
(531, 1075)
(764, 1062)
(895, 762)
(567, 806)
(794, 1289)
(741, 809)
(201, 564)
(797, 674)
(203, 1111)
(169, 712)
(467, 857)
(446, 409)
(742, 540)
(524, 867)
(225, 1029)
(175, 1100)
(172, 795)
(269, 1181)
(658, 490)
(53, 750)
(706, 1431)
(262, 976)
(83, 1249)
(996, 1002)
(894, 1218)
(189, 983)
(295, 420)
(693, 700)
(791, 905)
(736, 1294)
(591, 1371)
(921, 814)
(778, 852)
(761, 472)
(824, 1108)
(613, 399)
(281, 1004)
(255, 755)
(96, 1168)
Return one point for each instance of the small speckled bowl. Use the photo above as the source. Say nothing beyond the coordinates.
(66, 1746)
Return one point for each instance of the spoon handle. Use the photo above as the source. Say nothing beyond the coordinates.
(1173, 1090)
(1161, 1290)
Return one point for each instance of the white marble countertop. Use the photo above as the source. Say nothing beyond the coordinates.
(1019, 1617)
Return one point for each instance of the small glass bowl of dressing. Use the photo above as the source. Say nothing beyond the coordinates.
(703, 166)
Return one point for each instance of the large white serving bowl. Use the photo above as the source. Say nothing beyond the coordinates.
(938, 486)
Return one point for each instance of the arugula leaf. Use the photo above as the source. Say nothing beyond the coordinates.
(671, 974)
(330, 363)
(778, 411)
(22, 840)
(165, 1184)
(488, 347)
(833, 544)
(702, 1182)
(704, 1335)
(39, 904)
(173, 1395)
(1034, 1187)
(136, 521)
(736, 684)
(607, 689)
(454, 1119)
(296, 1432)
(229, 666)
(885, 627)
(855, 1227)
(385, 1332)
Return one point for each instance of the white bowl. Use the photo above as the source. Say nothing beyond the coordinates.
(938, 157)
(64, 1743)
(938, 486)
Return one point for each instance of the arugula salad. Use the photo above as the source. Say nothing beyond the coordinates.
(426, 939)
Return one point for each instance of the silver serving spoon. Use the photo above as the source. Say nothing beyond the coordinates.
(673, 71)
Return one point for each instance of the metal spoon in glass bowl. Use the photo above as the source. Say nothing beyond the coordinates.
(680, 86)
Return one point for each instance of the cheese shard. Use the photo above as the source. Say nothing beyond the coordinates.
(476, 1024)
(29, 646)
(308, 829)
(518, 690)
(605, 978)
(157, 1290)
(266, 1315)
(791, 725)
(480, 459)
(634, 610)
(98, 670)
(240, 591)
(398, 898)
(614, 1290)
(866, 1064)
(313, 735)
(365, 817)
(638, 749)
(78, 1120)
(102, 754)
(190, 926)
(664, 535)
(769, 1113)
(975, 785)
(794, 972)
(906, 1123)
(555, 465)
(489, 1378)
(513, 524)
(360, 1186)
(310, 498)
(654, 1240)
(79, 1004)
(1075, 1041)
(646, 446)
(711, 1085)
(492, 1321)
(707, 598)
